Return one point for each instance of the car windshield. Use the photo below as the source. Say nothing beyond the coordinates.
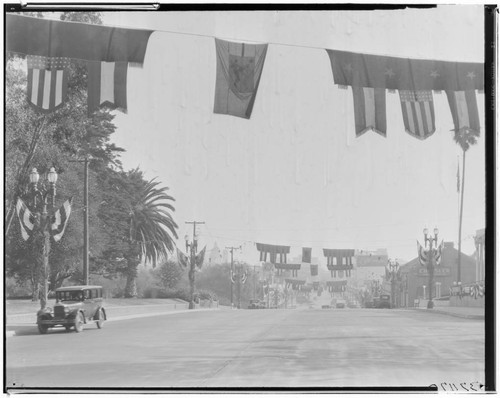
(74, 295)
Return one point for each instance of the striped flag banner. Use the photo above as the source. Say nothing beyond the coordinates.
(182, 258)
(463, 106)
(47, 82)
(422, 254)
(107, 85)
(369, 110)
(439, 254)
(26, 219)
(60, 220)
(418, 112)
(200, 257)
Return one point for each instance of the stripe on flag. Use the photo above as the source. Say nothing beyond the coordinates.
(369, 110)
(107, 85)
(439, 254)
(182, 258)
(60, 220)
(26, 219)
(418, 112)
(463, 106)
(47, 82)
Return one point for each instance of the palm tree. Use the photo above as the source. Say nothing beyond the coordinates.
(151, 228)
(465, 137)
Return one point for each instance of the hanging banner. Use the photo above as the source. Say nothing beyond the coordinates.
(107, 85)
(60, 220)
(47, 82)
(239, 68)
(306, 255)
(414, 78)
(52, 38)
(273, 251)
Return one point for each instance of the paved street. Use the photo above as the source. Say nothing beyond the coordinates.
(255, 348)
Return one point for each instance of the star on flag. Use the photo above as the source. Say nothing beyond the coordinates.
(389, 72)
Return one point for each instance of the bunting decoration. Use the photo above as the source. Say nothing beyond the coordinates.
(273, 251)
(239, 68)
(200, 257)
(60, 220)
(26, 219)
(439, 253)
(314, 270)
(414, 78)
(294, 284)
(281, 268)
(315, 285)
(339, 260)
(107, 85)
(76, 40)
(47, 82)
(418, 112)
(306, 255)
(182, 258)
(244, 277)
(336, 286)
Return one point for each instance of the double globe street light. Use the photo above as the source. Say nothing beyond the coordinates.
(41, 202)
(431, 243)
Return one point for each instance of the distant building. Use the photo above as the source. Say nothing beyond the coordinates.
(370, 265)
(215, 256)
(415, 276)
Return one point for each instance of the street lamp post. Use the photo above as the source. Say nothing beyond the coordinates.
(41, 199)
(393, 271)
(431, 243)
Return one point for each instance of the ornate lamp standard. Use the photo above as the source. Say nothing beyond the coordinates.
(393, 276)
(431, 244)
(41, 201)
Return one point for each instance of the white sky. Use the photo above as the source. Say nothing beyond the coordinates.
(294, 174)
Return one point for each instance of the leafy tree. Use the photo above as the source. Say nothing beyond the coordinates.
(169, 274)
(465, 138)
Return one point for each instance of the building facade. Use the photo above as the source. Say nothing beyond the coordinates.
(415, 278)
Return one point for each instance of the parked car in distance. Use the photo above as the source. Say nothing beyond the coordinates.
(256, 305)
(74, 307)
(384, 301)
(325, 307)
(340, 304)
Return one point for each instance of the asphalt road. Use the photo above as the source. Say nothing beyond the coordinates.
(254, 348)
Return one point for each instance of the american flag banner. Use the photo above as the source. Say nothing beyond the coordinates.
(107, 85)
(369, 110)
(418, 112)
(60, 220)
(306, 255)
(47, 82)
(26, 219)
(439, 254)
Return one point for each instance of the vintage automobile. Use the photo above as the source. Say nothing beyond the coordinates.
(256, 305)
(384, 301)
(75, 306)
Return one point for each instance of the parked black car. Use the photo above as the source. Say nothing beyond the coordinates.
(75, 306)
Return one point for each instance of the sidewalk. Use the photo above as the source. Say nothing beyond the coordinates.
(459, 312)
(19, 324)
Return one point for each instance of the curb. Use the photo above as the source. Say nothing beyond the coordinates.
(12, 333)
(463, 316)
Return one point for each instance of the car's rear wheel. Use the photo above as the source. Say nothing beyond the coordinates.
(42, 328)
(79, 322)
(100, 318)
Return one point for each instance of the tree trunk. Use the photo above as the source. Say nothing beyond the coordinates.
(131, 287)
(459, 273)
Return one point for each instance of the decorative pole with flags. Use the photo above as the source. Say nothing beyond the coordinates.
(196, 260)
(43, 218)
(430, 258)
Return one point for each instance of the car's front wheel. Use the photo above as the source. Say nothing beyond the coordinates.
(42, 328)
(79, 322)
(100, 318)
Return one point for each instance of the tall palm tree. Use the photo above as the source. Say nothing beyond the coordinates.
(465, 137)
(151, 228)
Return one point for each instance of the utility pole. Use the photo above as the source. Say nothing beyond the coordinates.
(231, 249)
(85, 218)
(193, 246)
